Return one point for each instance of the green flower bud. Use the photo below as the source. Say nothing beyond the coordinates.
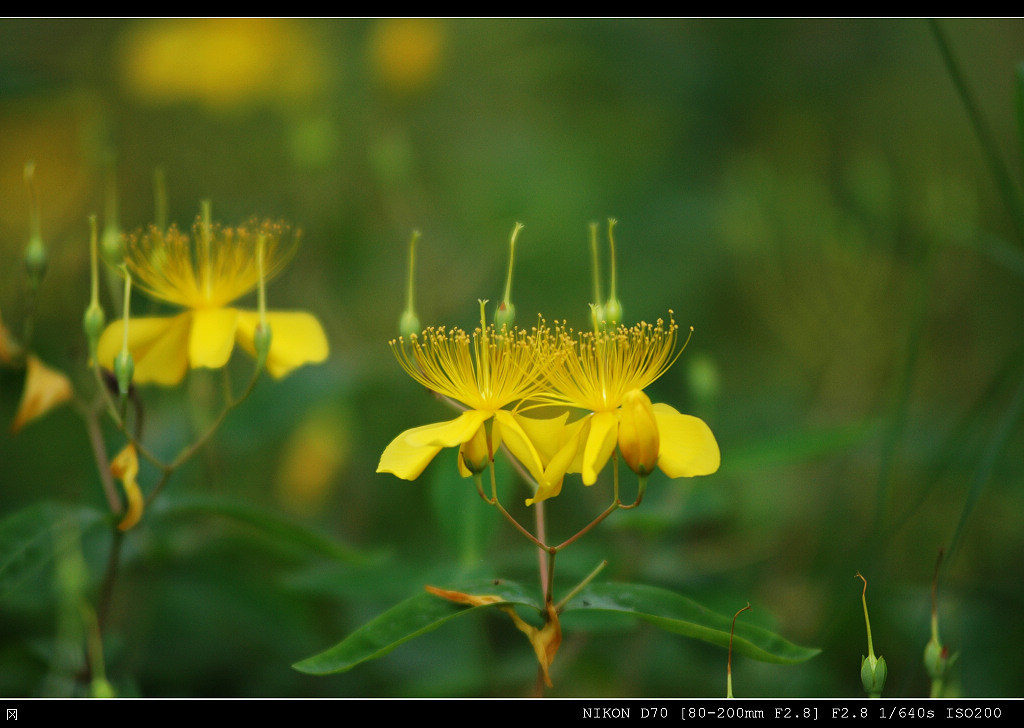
(35, 253)
(936, 660)
(113, 251)
(36, 260)
(93, 323)
(872, 675)
(409, 324)
(612, 312)
(612, 307)
(505, 313)
(261, 339)
(124, 370)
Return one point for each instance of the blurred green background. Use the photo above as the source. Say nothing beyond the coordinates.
(809, 195)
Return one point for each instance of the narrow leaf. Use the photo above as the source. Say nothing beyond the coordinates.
(415, 616)
(270, 523)
(27, 540)
(680, 615)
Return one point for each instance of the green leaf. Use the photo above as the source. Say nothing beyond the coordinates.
(680, 615)
(270, 523)
(27, 540)
(415, 616)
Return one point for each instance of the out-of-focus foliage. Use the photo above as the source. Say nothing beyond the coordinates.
(809, 195)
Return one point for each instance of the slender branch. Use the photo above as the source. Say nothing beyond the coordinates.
(99, 454)
(560, 607)
(604, 514)
(109, 577)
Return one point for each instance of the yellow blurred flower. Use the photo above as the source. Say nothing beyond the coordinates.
(485, 371)
(406, 53)
(204, 274)
(221, 62)
(605, 372)
(45, 388)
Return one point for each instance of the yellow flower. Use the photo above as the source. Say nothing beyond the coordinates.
(605, 372)
(484, 372)
(204, 274)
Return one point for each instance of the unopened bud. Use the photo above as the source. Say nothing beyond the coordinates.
(261, 339)
(35, 252)
(612, 307)
(505, 313)
(638, 433)
(124, 370)
(409, 323)
(94, 318)
(93, 323)
(872, 675)
(474, 454)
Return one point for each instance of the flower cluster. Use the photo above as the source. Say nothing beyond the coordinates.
(589, 386)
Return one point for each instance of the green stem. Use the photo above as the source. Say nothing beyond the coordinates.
(560, 607)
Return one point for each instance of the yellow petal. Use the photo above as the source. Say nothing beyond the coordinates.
(297, 338)
(545, 433)
(126, 467)
(638, 432)
(449, 434)
(519, 443)
(159, 347)
(557, 445)
(687, 446)
(213, 337)
(405, 460)
(604, 430)
(45, 388)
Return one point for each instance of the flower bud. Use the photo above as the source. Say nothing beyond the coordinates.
(35, 253)
(92, 323)
(638, 433)
(262, 336)
(936, 660)
(474, 453)
(505, 313)
(409, 323)
(872, 675)
(124, 370)
(94, 319)
(612, 312)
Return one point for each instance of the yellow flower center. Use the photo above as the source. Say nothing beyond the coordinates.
(485, 371)
(210, 269)
(601, 367)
